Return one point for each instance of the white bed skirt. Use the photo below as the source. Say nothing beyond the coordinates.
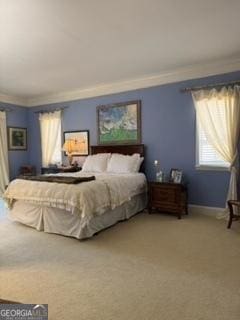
(54, 220)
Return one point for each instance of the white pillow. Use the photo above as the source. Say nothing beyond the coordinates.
(138, 164)
(96, 163)
(119, 163)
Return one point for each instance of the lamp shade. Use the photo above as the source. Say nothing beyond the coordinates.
(69, 146)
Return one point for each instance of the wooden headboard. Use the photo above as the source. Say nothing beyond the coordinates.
(129, 149)
(123, 149)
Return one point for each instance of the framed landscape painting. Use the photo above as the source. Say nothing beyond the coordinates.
(17, 138)
(119, 123)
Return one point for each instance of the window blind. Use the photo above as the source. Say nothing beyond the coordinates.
(207, 156)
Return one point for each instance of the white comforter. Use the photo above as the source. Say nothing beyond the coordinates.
(87, 199)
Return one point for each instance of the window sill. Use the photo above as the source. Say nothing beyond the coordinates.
(211, 168)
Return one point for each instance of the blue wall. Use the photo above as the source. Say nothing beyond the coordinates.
(18, 117)
(168, 131)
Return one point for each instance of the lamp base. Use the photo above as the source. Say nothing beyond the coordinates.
(70, 160)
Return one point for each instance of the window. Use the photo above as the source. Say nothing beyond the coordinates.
(206, 155)
(50, 126)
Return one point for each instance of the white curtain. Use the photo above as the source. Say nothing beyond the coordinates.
(219, 116)
(4, 169)
(50, 127)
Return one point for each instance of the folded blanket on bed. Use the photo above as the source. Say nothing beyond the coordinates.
(58, 179)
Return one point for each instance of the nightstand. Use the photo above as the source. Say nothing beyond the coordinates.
(49, 170)
(27, 170)
(168, 197)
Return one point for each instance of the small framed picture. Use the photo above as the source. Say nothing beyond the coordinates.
(76, 143)
(17, 138)
(176, 175)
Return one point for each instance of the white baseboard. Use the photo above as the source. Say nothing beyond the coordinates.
(208, 211)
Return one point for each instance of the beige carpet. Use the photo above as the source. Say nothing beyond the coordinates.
(150, 267)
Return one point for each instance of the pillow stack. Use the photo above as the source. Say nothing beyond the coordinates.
(115, 163)
(119, 163)
(96, 163)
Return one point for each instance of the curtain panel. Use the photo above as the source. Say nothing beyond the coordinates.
(219, 116)
(50, 127)
(4, 168)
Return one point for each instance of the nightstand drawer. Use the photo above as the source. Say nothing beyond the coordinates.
(163, 195)
(167, 207)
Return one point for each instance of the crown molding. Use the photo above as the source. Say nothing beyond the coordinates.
(4, 98)
(177, 75)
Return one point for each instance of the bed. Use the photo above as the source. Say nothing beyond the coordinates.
(82, 210)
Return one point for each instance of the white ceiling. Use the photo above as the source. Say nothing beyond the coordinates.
(73, 48)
